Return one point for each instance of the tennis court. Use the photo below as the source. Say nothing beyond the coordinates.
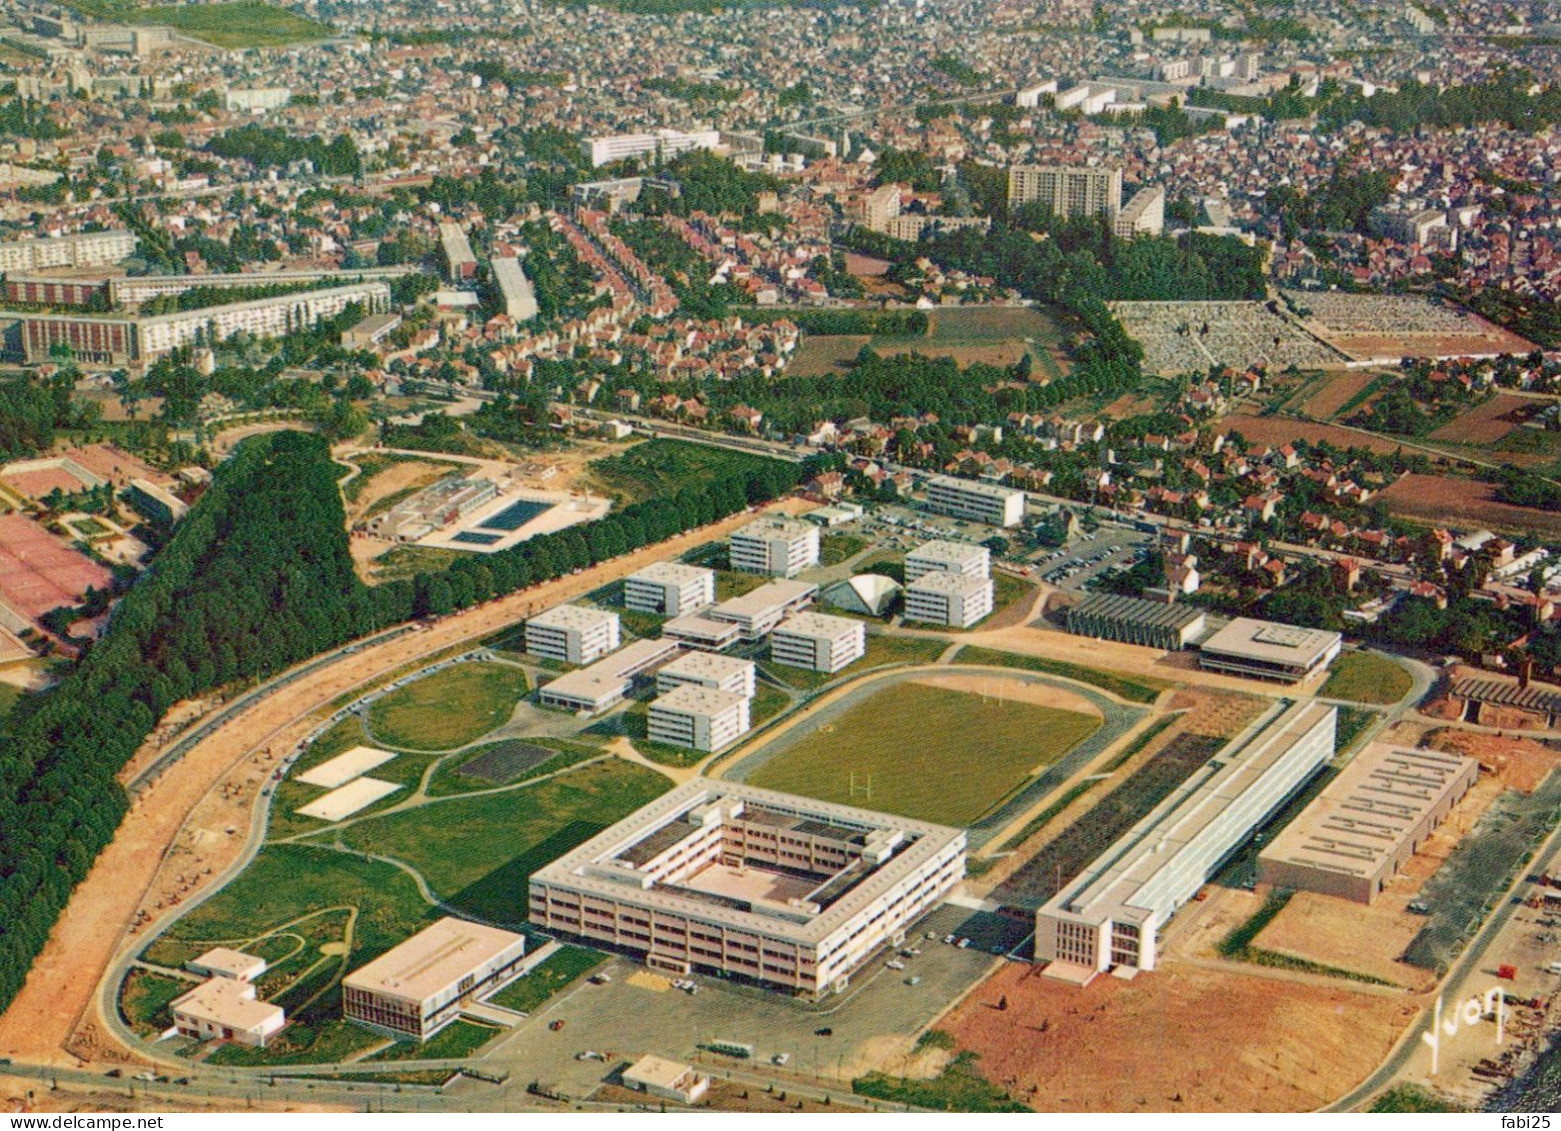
(347, 800)
(39, 572)
(344, 767)
(516, 515)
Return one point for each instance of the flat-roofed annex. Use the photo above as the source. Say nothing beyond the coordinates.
(608, 865)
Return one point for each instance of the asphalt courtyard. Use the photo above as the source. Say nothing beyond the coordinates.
(873, 1024)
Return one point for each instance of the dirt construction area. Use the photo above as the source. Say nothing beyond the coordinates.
(194, 803)
(1182, 1038)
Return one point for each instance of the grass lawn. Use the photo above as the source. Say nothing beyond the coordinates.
(881, 651)
(933, 754)
(1135, 689)
(1366, 677)
(459, 1039)
(1352, 721)
(284, 821)
(1413, 1099)
(479, 852)
(959, 1087)
(661, 468)
(836, 548)
(144, 998)
(408, 561)
(328, 1041)
(454, 776)
(767, 702)
(730, 583)
(449, 708)
(529, 993)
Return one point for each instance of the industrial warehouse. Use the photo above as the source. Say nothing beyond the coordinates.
(1132, 620)
(748, 882)
(1369, 820)
(1111, 913)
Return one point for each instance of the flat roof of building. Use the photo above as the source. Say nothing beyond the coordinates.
(607, 677)
(697, 627)
(1364, 815)
(951, 584)
(819, 625)
(766, 598)
(600, 866)
(228, 962)
(692, 699)
(579, 618)
(1271, 642)
(654, 1072)
(434, 959)
(947, 552)
(707, 665)
(1136, 610)
(974, 487)
(1107, 887)
(777, 526)
(229, 1003)
(670, 573)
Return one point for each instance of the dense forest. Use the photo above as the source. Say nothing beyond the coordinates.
(266, 147)
(30, 411)
(255, 579)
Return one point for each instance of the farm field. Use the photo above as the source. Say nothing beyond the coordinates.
(477, 853)
(1336, 390)
(1284, 429)
(923, 746)
(1366, 677)
(450, 708)
(820, 355)
(1183, 1039)
(994, 335)
(1486, 423)
(1447, 500)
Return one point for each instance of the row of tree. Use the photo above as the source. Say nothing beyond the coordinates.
(258, 577)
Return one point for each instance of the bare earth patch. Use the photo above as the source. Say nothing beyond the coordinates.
(1182, 1038)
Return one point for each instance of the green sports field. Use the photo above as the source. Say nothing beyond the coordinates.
(1366, 677)
(934, 754)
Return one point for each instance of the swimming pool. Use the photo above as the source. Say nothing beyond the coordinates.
(516, 515)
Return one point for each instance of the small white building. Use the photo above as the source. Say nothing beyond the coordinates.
(818, 642)
(780, 546)
(943, 556)
(574, 634)
(669, 589)
(226, 1009)
(666, 1080)
(698, 718)
(708, 669)
(225, 962)
(954, 600)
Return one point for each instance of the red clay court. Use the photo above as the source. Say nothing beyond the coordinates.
(39, 572)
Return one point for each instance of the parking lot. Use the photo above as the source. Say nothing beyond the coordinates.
(870, 1025)
(1090, 556)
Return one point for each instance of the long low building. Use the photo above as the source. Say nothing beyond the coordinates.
(990, 503)
(1372, 818)
(1111, 913)
(609, 680)
(417, 988)
(121, 339)
(1132, 620)
(750, 883)
(1265, 649)
(757, 612)
(227, 1009)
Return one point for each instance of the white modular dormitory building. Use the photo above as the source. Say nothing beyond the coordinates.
(943, 556)
(953, 600)
(708, 669)
(669, 589)
(575, 634)
(698, 718)
(783, 547)
(818, 642)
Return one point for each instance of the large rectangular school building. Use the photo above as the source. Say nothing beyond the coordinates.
(721, 877)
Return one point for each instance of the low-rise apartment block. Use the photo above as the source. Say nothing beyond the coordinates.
(954, 600)
(708, 669)
(574, 634)
(783, 547)
(818, 642)
(942, 556)
(669, 589)
(699, 718)
(990, 503)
